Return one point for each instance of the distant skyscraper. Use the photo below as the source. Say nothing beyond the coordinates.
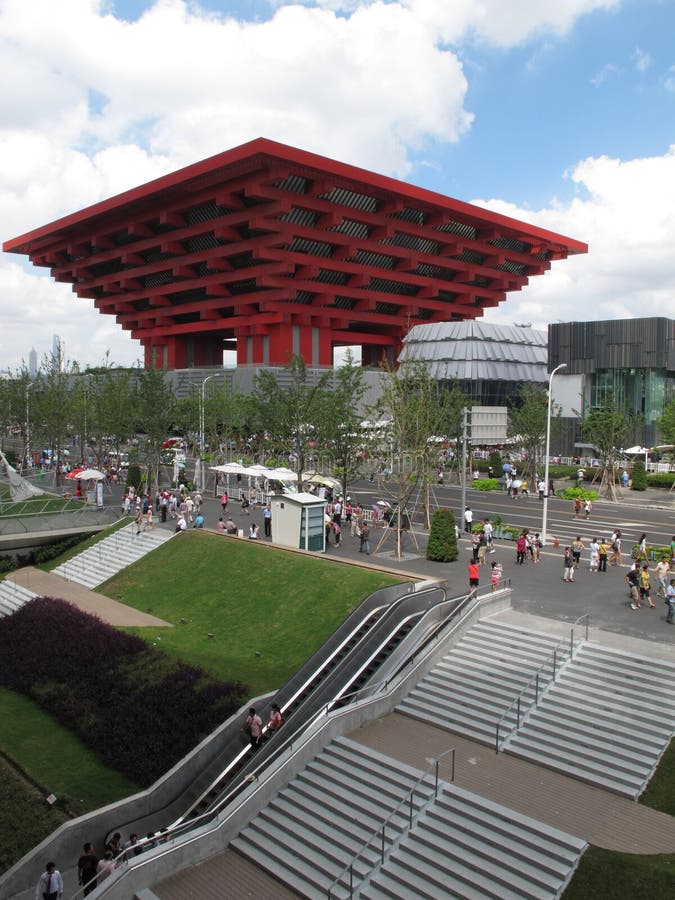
(57, 352)
(32, 363)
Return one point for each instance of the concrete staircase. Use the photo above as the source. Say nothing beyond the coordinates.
(607, 720)
(108, 557)
(466, 846)
(13, 596)
(469, 690)
(460, 845)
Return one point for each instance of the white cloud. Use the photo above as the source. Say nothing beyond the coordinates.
(669, 80)
(642, 60)
(603, 74)
(626, 216)
(498, 22)
(98, 105)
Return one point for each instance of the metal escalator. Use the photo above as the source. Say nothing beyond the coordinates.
(346, 668)
(233, 749)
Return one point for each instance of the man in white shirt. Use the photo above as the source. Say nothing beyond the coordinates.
(50, 885)
(468, 519)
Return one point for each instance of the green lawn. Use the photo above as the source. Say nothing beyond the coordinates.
(268, 610)
(660, 793)
(606, 875)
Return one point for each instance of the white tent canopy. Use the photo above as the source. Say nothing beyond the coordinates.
(257, 471)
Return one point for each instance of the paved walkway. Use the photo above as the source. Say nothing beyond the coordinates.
(46, 584)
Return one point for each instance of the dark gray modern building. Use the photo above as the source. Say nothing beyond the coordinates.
(629, 360)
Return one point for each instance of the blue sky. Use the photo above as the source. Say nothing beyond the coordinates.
(561, 112)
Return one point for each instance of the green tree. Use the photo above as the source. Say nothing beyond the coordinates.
(52, 408)
(340, 420)
(527, 424)
(155, 408)
(666, 423)
(606, 428)
(288, 406)
(442, 545)
(417, 409)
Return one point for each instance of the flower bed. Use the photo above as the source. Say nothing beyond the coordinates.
(137, 709)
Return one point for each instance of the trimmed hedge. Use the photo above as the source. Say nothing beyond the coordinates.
(573, 492)
(488, 484)
(139, 711)
(661, 479)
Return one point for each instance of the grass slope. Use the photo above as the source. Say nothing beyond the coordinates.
(268, 610)
(25, 818)
(55, 759)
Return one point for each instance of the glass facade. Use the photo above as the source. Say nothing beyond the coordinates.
(643, 392)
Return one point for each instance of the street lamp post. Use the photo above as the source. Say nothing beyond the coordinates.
(201, 430)
(87, 376)
(29, 385)
(548, 452)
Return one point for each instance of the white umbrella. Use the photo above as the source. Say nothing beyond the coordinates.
(89, 475)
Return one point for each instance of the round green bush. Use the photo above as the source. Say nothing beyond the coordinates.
(638, 476)
(442, 544)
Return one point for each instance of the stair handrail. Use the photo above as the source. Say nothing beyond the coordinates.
(535, 678)
(380, 831)
(586, 616)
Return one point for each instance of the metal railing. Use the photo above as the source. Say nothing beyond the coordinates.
(553, 660)
(380, 837)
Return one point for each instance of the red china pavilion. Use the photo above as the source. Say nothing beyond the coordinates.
(284, 251)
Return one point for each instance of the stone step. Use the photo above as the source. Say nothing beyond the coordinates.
(567, 763)
(623, 736)
(591, 754)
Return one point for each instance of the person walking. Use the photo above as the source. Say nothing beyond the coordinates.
(642, 547)
(577, 546)
(645, 586)
(615, 558)
(661, 571)
(670, 601)
(474, 578)
(594, 548)
(495, 575)
(633, 582)
(50, 884)
(87, 866)
(578, 506)
(588, 506)
(568, 565)
(364, 538)
(603, 550)
(521, 548)
(468, 519)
